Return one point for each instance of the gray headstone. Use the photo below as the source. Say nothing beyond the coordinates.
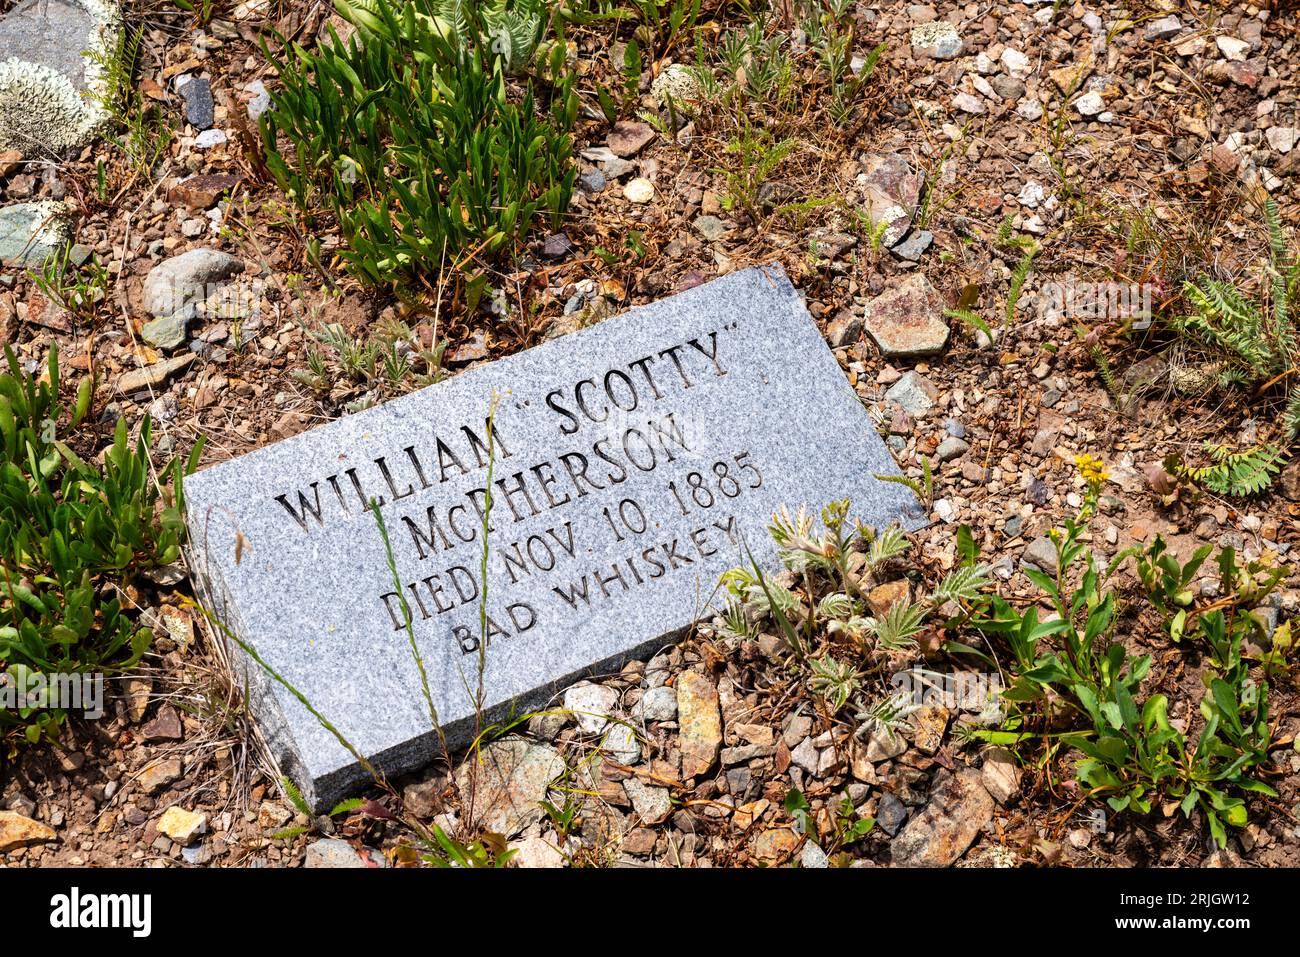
(630, 459)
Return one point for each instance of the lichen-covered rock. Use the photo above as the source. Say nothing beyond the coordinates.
(507, 780)
(678, 83)
(938, 40)
(166, 332)
(31, 233)
(891, 190)
(958, 807)
(913, 393)
(774, 846)
(333, 853)
(53, 80)
(906, 320)
(700, 723)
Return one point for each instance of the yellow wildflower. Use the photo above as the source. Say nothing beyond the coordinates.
(1092, 469)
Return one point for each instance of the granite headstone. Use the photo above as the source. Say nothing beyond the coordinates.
(629, 464)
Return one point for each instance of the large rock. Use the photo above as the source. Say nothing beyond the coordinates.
(52, 80)
(959, 806)
(174, 289)
(30, 233)
(333, 853)
(938, 40)
(18, 831)
(699, 721)
(891, 190)
(503, 783)
(913, 393)
(906, 321)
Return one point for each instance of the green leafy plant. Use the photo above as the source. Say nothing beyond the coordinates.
(830, 30)
(1277, 659)
(615, 100)
(1107, 375)
(835, 681)
(202, 9)
(1019, 275)
(849, 826)
(489, 851)
(971, 318)
(300, 804)
(514, 30)
(848, 555)
(79, 290)
(406, 135)
(565, 817)
(1076, 686)
(838, 831)
(1169, 582)
(143, 132)
(664, 22)
(799, 547)
(386, 359)
(1223, 624)
(797, 806)
(1006, 238)
(758, 155)
(71, 535)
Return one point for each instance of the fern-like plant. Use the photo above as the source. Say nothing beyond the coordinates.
(1256, 341)
(1019, 276)
(1236, 474)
